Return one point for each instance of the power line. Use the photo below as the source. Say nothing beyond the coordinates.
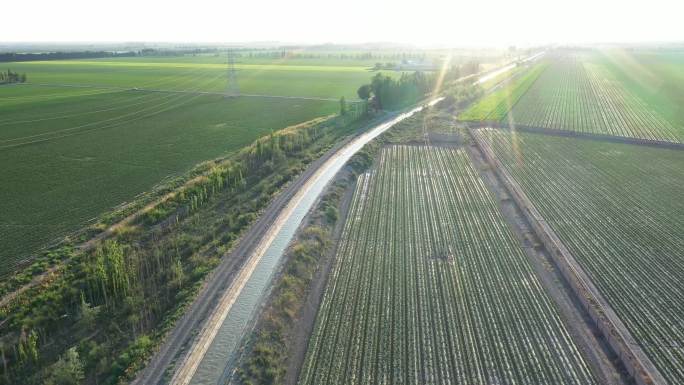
(232, 89)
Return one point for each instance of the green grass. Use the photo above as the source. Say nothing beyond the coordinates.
(494, 106)
(429, 285)
(489, 84)
(68, 157)
(619, 211)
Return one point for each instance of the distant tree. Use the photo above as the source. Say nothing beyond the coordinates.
(331, 214)
(68, 370)
(12, 77)
(364, 92)
(343, 106)
(28, 346)
(454, 72)
(470, 67)
(177, 274)
(87, 313)
(380, 86)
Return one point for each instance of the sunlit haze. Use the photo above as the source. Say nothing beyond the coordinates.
(429, 22)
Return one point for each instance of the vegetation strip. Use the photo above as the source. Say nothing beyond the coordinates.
(493, 107)
(273, 352)
(191, 361)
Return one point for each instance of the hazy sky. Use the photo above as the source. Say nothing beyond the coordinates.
(442, 22)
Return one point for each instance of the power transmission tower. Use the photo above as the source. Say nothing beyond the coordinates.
(232, 89)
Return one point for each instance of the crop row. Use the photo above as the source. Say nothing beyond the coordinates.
(618, 209)
(577, 93)
(430, 286)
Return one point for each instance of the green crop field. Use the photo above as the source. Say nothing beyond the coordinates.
(180, 73)
(70, 153)
(430, 286)
(617, 93)
(590, 93)
(618, 209)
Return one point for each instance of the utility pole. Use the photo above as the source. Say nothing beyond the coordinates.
(232, 89)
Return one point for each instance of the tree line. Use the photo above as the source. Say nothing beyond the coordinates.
(295, 54)
(18, 56)
(387, 93)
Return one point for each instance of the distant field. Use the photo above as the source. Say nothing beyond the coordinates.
(68, 154)
(589, 93)
(430, 286)
(636, 95)
(619, 210)
(179, 73)
(656, 77)
(243, 58)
